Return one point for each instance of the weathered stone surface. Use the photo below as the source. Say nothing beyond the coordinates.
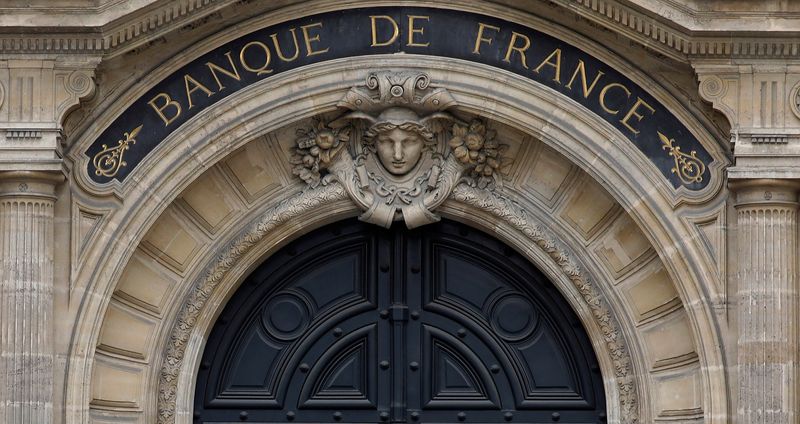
(26, 296)
(690, 299)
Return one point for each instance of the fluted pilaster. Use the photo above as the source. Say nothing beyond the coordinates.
(768, 301)
(26, 296)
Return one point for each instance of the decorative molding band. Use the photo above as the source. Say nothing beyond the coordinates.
(677, 43)
(770, 139)
(506, 211)
(23, 135)
(114, 36)
(203, 288)
(127, 33)
(503, 209)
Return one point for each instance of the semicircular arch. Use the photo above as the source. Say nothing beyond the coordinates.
(585, 141)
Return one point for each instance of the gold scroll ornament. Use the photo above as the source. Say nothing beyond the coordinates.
(108, 161)
(688, 167)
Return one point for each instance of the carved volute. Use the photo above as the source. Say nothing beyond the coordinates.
(398, 149)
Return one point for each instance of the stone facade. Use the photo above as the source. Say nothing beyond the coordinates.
(680, 259)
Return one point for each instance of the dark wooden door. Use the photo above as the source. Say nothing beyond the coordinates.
(354, 323)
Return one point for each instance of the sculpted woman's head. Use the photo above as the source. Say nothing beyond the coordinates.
(399, 138)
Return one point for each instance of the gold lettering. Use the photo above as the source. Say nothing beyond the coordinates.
(308, 39)
(480, 39)
(556, 65)
(633, 112)
(582, 69)
(277, 45)
(396, 34)
(413, 30)
(267, 58)
(167, 103)
(216, 68)
(512, 47)
(603, 96)
(197, 86)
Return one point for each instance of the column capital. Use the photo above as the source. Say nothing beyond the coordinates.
(41, 184)
(765, 191)
(35, 97)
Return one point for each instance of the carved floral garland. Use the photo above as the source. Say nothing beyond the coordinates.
(295, 206)
(205, 285)
(508, 212)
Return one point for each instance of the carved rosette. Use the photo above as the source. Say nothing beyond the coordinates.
(476, 148)
(315, 150)
(408, 154)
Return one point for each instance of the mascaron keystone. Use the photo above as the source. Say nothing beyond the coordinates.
(397, 150)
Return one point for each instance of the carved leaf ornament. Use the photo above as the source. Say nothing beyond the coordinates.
(411, 152)
(398, 154)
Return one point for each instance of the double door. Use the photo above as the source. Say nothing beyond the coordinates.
(354, 323)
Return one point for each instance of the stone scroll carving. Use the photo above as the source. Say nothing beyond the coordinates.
(504, 210)
(397, 150)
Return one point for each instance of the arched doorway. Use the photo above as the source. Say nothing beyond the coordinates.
(354, 323)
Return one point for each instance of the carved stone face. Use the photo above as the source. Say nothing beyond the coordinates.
(399, 150)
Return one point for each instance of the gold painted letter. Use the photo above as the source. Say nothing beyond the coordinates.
(215, 68)
(603, 93)
(556, 65)
(413, 30)
(277, 45)
(512, 47)
(308, 39)
(633, 112)
(396, 33)
(167, 103)
(479, 39)
(267, 58)
(586, 89)
(187, 79)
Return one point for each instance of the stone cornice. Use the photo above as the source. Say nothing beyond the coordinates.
(118, 36)
(685, 34)
(678, 42)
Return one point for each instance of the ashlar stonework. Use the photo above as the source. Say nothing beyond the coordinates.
(643, 155)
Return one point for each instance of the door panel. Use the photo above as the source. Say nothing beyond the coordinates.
(354, 323)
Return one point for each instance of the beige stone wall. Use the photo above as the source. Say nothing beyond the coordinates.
(700, 290)
(198, 226)
(598, 218)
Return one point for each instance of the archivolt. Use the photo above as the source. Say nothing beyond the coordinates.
(208, 144)
(498, 206)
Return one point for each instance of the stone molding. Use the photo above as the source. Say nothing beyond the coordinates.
(304, 202)
(506, 211)
(467, 95)
(468, 85)
(644, 27)
(206, 284)
(679, 43)
(760, 101)
(29, 184)
(118, 36)
(39, 93)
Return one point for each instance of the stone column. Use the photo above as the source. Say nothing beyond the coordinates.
(768, 301)
(26, 296)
